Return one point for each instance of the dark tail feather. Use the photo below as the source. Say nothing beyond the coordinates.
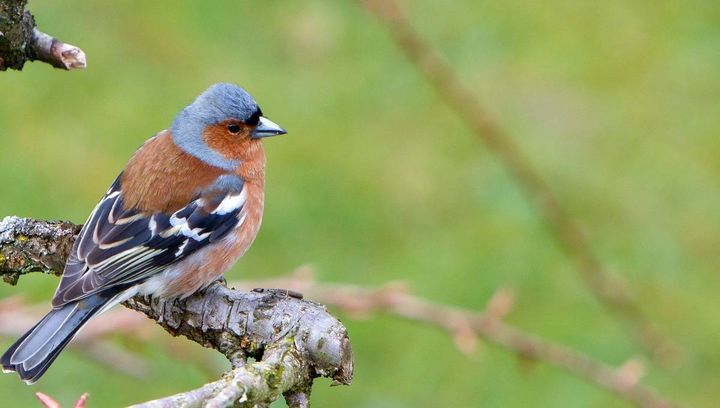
(33, 353)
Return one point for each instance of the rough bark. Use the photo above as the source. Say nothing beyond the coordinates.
(21, 41)
(292, 340)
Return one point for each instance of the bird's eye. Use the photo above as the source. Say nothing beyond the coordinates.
(233, 128)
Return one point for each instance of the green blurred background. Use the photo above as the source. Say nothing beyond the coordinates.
(615, 102)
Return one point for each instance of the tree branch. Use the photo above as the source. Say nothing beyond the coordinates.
(253, 324)
(21, 41)
(465, 325)
(610, 290)
(292, 340)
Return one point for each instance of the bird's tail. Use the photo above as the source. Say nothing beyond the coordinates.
(35, 351)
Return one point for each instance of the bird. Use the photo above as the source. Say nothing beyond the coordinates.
(185, 208)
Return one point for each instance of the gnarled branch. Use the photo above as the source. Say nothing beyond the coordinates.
(292, 340)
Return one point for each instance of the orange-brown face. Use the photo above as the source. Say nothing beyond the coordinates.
(233, 140)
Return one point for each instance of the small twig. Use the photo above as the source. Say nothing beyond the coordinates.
(48, 49)
(22, 41)
(82, 401)
(46, 400)
(394, 299)
(609, 289)
(49, 402)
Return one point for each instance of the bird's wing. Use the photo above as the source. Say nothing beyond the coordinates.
(119, 247)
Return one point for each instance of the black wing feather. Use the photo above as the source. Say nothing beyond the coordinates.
(123, 247)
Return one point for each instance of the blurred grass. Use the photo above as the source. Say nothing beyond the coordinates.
(615, 102)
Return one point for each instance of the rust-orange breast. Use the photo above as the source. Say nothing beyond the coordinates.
(162, 177)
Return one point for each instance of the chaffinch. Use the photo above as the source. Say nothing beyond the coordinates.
(185, 208)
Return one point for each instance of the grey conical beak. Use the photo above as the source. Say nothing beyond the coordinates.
(267, 128)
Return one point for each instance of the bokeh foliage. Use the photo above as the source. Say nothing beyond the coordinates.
(615, 102)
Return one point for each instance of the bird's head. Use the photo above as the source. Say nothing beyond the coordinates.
(221, 124)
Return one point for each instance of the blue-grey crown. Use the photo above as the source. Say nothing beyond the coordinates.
(218, 103)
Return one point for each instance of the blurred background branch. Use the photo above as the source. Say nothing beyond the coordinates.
(49, 402)
(16, 316)
(466, 325)
(292, 340)
(608, 289)
(22, 41)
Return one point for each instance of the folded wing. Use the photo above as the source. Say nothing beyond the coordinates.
(120, 247)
